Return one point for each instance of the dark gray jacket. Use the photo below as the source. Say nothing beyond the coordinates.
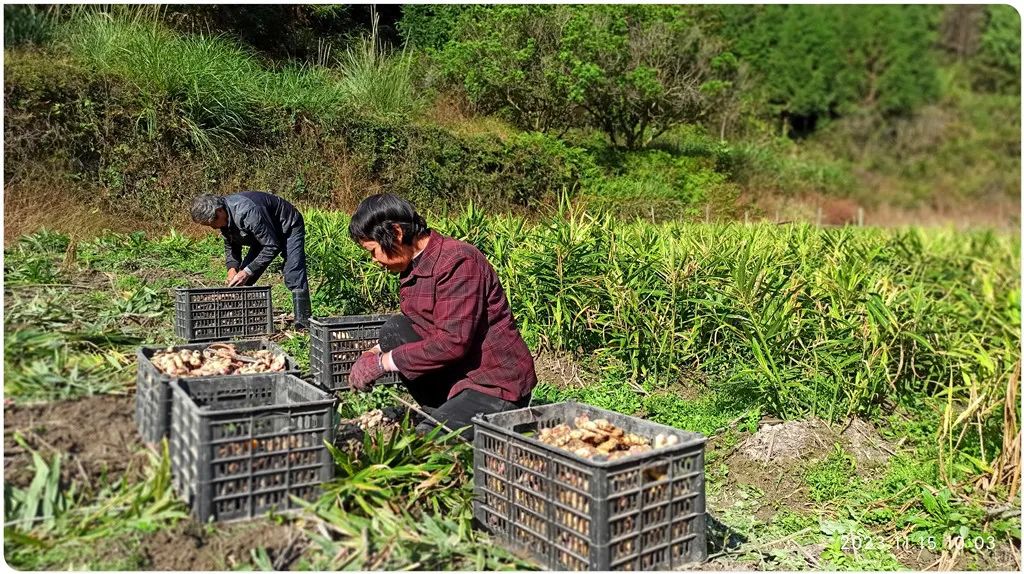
(257, 219)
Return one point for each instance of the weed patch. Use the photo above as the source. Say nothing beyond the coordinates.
(833, 477)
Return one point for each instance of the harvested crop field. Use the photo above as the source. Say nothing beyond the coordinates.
(792, 473)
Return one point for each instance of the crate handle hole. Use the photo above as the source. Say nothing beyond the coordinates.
(523, 428)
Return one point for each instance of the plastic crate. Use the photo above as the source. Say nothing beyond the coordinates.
(223, 313)
(153, 392)
(336, 342)
(641, 512)
(243, 446)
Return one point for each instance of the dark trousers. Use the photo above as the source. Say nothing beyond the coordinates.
(294, 256)
(431, 390)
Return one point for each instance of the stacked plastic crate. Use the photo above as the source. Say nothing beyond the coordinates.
(240, 444)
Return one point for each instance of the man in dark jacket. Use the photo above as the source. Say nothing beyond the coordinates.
(268, 225)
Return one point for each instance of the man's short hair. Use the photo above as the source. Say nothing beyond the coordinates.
(376, 217)
(204, 208)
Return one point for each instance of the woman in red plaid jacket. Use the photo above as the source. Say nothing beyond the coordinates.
(455, 345)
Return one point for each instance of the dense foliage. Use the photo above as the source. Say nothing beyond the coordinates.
(818, 61)
(560, 67)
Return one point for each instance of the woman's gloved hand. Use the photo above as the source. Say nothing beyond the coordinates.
(367, 369)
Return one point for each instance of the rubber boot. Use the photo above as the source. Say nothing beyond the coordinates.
(303, 308)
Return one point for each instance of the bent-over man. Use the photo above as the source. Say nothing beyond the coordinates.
(268, 225)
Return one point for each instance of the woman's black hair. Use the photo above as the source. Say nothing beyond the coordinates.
(376, 217)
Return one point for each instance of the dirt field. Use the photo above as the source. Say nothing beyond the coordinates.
(97, 435)
(101, 444)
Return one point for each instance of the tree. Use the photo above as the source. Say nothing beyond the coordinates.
(638, 70)
(960, 31)
(892, 45)
(822, 61)
(504, 57)
(997, 65)
(631, 71)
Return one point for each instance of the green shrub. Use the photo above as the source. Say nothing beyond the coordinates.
(814, 61)
(630, 71)
(997, 65)
(28, 24)
(429, 26)
(433, 167)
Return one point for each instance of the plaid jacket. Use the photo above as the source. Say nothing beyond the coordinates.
(454, 300)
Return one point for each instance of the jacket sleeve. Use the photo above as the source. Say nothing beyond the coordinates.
(459, 309)
(232, 254)
(257, 222)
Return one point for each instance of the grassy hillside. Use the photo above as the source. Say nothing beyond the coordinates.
(126, 115)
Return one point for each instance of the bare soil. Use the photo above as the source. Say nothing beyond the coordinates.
(100, 443)
(97, 435)
(813, 439)
(799, 443)
(558, 370)
(187, 547)
(775, 458)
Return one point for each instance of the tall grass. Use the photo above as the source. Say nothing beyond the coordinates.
(28, 24)
(218, 90)
(378, 82)
(208, 82)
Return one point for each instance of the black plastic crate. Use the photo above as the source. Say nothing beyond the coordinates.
(243, 446)
(153, 392)
(210, 314)
(336, 342)
(640, 512)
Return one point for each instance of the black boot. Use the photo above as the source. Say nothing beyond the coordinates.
(303, 309)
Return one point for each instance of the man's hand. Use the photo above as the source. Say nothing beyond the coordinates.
(231, 275)
(365, 371)
(238, 279)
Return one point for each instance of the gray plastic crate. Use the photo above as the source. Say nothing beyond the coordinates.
(210, 314)
(641, 512)
(153, 392)
(336, 342)
(243, 446)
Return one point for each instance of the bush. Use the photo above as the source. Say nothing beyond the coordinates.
(433, 167)
(813, 62)
(429, 26)
(28, 24)
(665, 185)
(997, 65)
(630, 71)
(504, 57)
